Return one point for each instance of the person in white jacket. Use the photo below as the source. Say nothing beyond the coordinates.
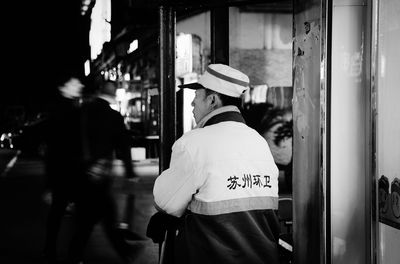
(222, 182)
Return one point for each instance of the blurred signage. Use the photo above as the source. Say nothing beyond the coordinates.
(100, 28)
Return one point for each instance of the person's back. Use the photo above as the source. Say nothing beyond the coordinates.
(63, 142)
(227, 215)
(103, 127)
(222, 182)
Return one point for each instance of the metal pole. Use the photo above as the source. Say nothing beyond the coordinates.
(220, 35)
(168, 131)
(167, 84)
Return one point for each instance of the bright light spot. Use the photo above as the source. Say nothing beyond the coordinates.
(133, 46)
(112, 74)
(100, 29)
(85, 6)
(120, 94)
(87, 68)
(115, 107)
(127, 77)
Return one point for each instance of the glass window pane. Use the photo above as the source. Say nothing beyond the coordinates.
(261, 46)
(388, 131)
(193, 46)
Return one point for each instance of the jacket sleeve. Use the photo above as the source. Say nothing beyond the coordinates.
(174, 188)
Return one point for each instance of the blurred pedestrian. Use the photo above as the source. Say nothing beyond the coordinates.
(222, 182)
(62, 163)
(104, 138)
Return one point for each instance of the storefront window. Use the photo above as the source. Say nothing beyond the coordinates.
(388, 130)
(261, 46)
(193, 56)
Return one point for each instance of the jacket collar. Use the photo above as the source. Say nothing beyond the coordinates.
(225, 113)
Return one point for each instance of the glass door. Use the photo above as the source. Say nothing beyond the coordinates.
(387, 122)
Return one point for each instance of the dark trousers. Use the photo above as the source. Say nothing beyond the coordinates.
(94, 205)
(60, 200)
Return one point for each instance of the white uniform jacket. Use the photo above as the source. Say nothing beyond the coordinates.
(223, 180)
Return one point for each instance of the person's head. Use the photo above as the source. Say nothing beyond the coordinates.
(72, 88)
(108, 88)
(68, 82)
(219, 86)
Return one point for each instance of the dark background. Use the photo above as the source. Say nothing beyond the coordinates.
(40, 38)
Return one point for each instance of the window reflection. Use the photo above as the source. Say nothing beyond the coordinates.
(261, 46)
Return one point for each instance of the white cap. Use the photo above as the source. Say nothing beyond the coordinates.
(222, 79)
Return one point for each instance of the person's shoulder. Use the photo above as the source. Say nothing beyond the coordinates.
(98, 104)
(113, 114)
(195, 132)
(194, 136)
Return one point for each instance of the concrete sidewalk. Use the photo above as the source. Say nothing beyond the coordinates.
(23, 217)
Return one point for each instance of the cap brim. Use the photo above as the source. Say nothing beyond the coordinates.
(193, 86)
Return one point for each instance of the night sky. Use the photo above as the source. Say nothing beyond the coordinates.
(39, 39)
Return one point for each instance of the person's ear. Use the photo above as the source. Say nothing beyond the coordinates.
(215, 101)
(212, 97)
